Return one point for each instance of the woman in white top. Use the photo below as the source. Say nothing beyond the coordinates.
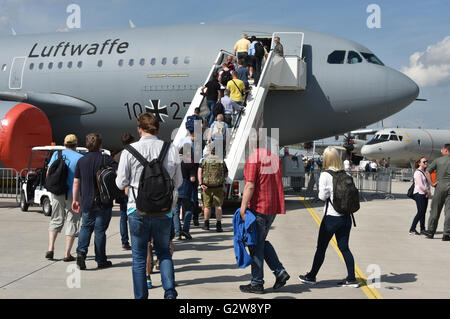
(333, 223)
(421, 195)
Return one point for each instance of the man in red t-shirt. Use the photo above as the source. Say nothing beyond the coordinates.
(263, 196)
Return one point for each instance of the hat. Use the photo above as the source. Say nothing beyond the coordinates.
(70, 139)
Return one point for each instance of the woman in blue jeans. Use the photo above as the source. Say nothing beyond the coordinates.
(421, 194)
(332, 224)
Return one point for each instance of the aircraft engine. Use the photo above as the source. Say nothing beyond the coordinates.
(23, 126)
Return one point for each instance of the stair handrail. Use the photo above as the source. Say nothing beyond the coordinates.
(193, 106)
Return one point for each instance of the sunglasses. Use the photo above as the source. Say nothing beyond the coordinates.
(425, 162)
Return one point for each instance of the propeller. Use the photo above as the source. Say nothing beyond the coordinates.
(348, 143)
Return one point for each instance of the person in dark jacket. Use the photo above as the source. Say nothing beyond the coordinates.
(95, 216)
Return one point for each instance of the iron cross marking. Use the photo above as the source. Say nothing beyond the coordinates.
(155, 109)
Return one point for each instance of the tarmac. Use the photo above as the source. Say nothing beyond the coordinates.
(395, 264)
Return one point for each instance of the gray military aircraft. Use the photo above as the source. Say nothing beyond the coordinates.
(99, 81)
(402, 146)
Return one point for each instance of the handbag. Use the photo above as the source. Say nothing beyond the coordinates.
(410, 192)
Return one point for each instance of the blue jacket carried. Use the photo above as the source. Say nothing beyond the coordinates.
(245, 234)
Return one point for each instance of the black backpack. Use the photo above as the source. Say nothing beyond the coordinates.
(155, 192)
(218, 109)
(56, 180)
(226, 76)
(106, 185)
(345, 194)
(259, 50)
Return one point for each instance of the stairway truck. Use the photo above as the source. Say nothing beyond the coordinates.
(234, 190)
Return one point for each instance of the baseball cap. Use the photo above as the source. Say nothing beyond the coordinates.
(70, 139)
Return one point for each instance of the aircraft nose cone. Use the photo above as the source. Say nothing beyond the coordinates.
(369, 151)
(402, 90)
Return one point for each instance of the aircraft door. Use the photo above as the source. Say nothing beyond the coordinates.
(16, 73)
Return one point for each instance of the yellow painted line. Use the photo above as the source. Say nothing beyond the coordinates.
(371, 292)
(178, 75)
(157, 75)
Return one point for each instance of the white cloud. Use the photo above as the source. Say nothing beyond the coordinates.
(432, 67)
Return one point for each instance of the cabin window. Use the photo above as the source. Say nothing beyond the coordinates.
(60, 65)
(336, 57)
(372, 58)
(353, 58)
(131, 62)
(142, 62)
(4, 67)
(164, 61)
(187, 60)
(153, 61)
(50, 65)
(69, 64)
(100, 63)
(41, 66)
(175, 60)
(80, 64)
(31, 66)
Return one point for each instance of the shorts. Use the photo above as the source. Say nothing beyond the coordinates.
(244, 57)
(213, 197)
(62, 214)
(251, 60)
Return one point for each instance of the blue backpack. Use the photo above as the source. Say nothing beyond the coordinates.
(190, 122)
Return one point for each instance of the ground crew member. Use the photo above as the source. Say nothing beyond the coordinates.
(441, 195)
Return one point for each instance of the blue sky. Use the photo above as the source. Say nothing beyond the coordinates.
(407, 27)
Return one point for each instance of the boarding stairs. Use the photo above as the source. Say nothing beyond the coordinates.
(286, 73)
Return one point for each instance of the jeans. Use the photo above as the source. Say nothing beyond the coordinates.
(142, 228)
(263, 251)
(97, 221)
(210, 116)
(422, 204)
(124, 223)
(339, 226)
(187, 213)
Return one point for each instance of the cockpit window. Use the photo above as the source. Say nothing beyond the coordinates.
(336, 57)
(353, 58)
(393, 138)
(372, 58)
(378, 139)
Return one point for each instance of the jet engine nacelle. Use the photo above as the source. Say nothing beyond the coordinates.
(23, 126)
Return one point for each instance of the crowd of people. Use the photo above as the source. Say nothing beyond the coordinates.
(159, 183)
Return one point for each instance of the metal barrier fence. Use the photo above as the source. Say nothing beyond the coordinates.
(294, 182)
(9, 183)
(370, 184)
(374, 184)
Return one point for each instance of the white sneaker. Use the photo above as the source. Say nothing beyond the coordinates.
(349, 283)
